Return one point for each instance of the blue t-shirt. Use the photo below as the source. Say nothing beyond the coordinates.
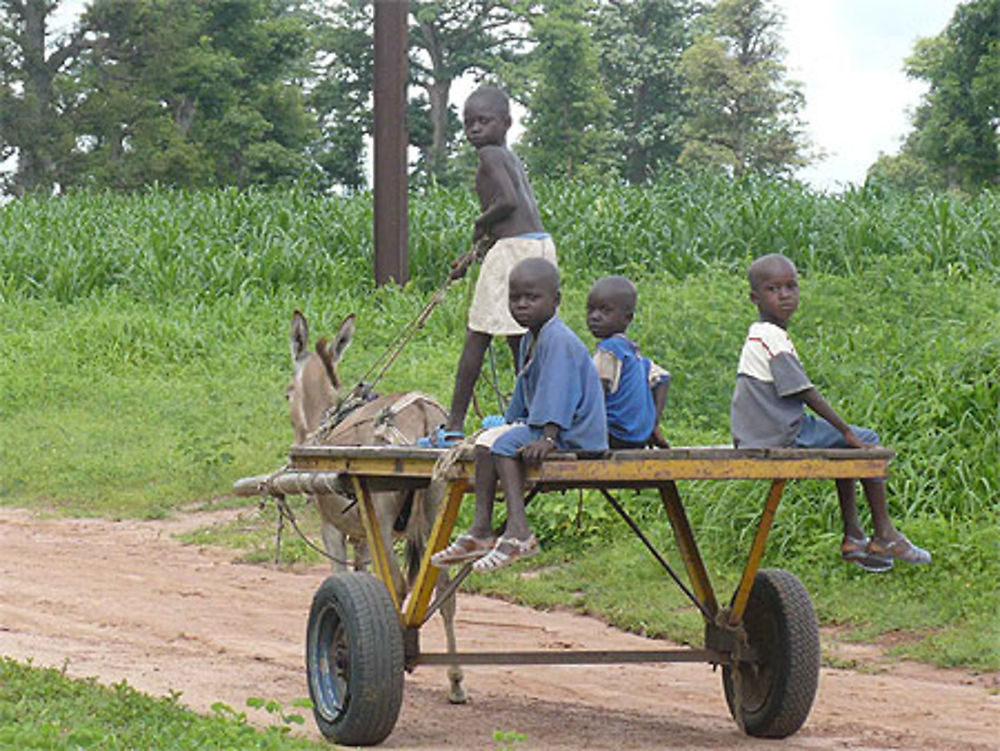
(630, 408)
(560, 385)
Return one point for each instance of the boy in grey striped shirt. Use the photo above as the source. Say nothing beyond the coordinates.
(768, 409)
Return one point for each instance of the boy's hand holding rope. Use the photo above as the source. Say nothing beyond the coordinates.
(459, 267)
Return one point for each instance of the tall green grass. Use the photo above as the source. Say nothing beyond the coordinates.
(144, 353)
(160, 244)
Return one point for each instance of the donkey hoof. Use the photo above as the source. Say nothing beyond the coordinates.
(457, 695)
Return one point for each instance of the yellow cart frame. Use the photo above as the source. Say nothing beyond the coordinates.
(765, 637)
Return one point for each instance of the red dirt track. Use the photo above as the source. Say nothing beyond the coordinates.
(126, 600)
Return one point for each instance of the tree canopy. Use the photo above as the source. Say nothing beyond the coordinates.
(36, 95)
(742, 111)
(194, 93)
(954, 142)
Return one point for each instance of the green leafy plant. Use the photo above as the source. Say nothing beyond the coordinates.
(283, 720)
(507, 740)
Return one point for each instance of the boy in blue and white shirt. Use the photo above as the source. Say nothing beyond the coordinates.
(768, 409)
(635, 388)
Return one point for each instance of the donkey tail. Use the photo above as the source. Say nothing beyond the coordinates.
(423, 514)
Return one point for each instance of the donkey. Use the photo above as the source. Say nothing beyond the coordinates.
(312, 396)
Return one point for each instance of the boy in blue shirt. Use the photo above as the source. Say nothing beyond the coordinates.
(635, 388)
(767, 409)
(557, 403)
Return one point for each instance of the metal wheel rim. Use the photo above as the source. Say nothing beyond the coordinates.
(757, 677)
(333, 663)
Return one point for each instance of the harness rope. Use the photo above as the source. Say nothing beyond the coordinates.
(285, 512)
(462, 265)
(362, 393)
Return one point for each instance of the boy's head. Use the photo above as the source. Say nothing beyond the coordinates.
(533, 292)
(610, 306)
(774, 288)
(486, 117)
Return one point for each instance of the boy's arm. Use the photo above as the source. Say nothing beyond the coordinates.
(462, 263)
(815, 401)
(791, 381)
(659, 402)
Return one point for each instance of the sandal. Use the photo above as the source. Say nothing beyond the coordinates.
(441, 439)
(507, 551)
(855, 550)
(464, 548)
(900, 550)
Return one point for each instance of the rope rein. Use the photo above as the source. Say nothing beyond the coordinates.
(383, 362)
(363, 392)
(285, 512)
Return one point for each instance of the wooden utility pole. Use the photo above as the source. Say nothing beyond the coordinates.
(391, 210)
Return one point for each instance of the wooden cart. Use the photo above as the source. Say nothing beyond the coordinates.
(765, 637)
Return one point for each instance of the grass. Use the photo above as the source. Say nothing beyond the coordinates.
(144, 355)
(160, 244)
(41, 708)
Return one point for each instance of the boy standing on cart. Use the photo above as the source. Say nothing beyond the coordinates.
(767, 409)
(508, 230)
(557, 404)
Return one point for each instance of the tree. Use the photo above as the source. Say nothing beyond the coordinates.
(567, 130)
(640, 43)
(34, 103)
(451, 38)
(904, 171)
(342, 94)
(742, 111)
(193, 93)
(954, 138)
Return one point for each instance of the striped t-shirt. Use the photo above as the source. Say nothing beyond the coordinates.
(767, 408)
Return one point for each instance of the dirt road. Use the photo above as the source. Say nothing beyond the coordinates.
(125, 600)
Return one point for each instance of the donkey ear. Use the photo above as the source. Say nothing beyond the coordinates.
(343, 338)
(299, 335)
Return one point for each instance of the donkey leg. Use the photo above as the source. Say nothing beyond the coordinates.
(386, 510)
(456, 691)
(335, 545)
(362, 555)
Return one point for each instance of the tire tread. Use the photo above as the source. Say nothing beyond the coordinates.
(794, 690)
(375, 643)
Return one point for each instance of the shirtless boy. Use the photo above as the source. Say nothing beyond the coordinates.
(510, 229)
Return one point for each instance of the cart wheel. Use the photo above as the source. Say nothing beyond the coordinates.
(354, 659)
(777, 689)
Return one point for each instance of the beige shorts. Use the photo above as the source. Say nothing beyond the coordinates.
(489, 436)
(489, 312)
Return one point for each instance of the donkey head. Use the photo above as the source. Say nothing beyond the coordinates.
(314, 385)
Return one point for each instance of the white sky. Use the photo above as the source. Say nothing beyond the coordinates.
(848, 54)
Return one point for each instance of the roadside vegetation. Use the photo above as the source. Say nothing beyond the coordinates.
(145, 354)
(40, 708)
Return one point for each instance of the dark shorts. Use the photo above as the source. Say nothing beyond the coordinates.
(621, 443)
(817, 433)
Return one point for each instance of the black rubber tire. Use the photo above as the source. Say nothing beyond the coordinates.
(779, 687)
(354, 659)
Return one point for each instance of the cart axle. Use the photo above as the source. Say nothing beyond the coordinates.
(583, 657)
